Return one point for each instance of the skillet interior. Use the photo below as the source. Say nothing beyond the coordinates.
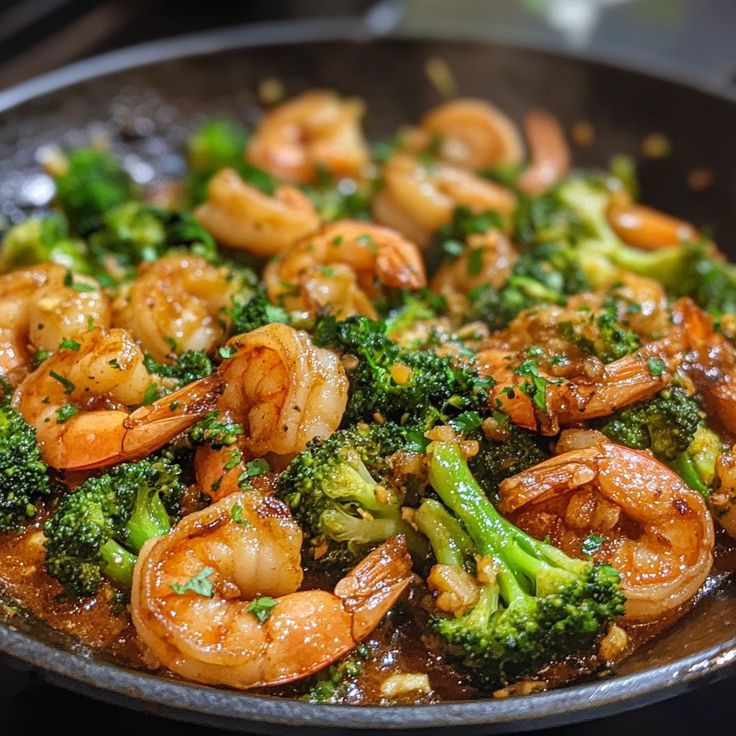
(148, 110)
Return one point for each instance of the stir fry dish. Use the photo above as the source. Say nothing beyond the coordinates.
(435, 418)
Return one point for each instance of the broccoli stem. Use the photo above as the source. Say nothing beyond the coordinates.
(118, 563)
(149, 518)
(450, 542)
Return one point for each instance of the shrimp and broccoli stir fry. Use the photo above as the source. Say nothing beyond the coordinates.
(443, 395)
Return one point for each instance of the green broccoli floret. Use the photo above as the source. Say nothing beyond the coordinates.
(99, 528)
(93, 183)
(497, 460)
(410, 387)
(546, 274)
(23, 476)
(136, 232)
(215, 431)
(255, 312)
(190, 366)
(40, 240)
(697, 464)
(332, 685)
(338, 491)
(546, 219)
(542, 605)
(666, 424)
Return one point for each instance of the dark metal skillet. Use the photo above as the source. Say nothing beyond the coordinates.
(147, 97)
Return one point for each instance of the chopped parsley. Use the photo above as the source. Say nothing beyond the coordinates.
(199, 584)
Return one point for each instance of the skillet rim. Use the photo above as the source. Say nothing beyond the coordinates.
(115, 682)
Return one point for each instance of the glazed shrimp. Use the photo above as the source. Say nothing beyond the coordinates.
(176, 298)
(723, 498)
(581, 396)
(343, 267)
(40, 306)
(647, 228)
(78, 402)
(316, 129)
(487, 260)
(282, 389)
(473, 135)
(241, 216)
(658, 532)
(417, 200)
(550, 155)
(215, 637)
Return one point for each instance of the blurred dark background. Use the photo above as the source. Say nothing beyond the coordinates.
(688, 39)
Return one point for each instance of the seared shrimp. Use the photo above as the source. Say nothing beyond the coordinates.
(417, 200)
(314, 130)
(246, 625)
(42, 305)
(78, 402)
(473, 135)
(176, 298)
(658, 532)
(282, 389)
(243, 217)
(487, 260)
(550, 155)
(723, 498)
(342, 267)
(647, 228)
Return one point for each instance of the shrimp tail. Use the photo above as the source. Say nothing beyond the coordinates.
(375, 584)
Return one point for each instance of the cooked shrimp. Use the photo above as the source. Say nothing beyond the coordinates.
(658, 532)
(78, 401)
(218, 635)
(417, 200)
(578, 397)
(343, 266)
(175, 303)
(723, 498)
(243, 217)
(315, 130)
(487, 260)
(647, 228)
(40, 306)
(282, 389)
(550, 155)
(473, 135)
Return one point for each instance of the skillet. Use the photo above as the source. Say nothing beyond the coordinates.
(148, 97)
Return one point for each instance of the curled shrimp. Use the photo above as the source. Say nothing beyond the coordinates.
(647, 228)
(657, 532)
(176, 298)
(78, 401)
(243, 217)
(343, 267)
(417, 200)
(596, 392)
(487, 260)
(550, 155)
(42, 305)
(218, 636)
(315, 130)
(723, 498)
(282, 389)
(473, 134)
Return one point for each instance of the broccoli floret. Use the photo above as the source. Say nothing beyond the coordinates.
(697, 464)
(411, 387)
(545, 275)
(338, 491)
(99, 528)
(339, 200)
(136, 232)
(255, 312)
(545, 219)
(541, 605)
(497, 460)
(190, 366)
(42, 239)
(215, 431)
(93, 183)
(332, 685)
(23, 476)
(666, 424)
